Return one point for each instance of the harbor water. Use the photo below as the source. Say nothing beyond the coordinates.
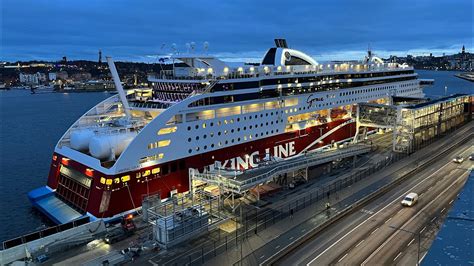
(31, 124)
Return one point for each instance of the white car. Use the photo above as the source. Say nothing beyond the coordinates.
(410, 199)
(458, 159)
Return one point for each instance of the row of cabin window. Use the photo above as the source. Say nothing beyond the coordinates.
(232, 141)
(232, 120)
(226, 132)
(289, 90)
(277, 81)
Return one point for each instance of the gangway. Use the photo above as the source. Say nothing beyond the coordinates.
(240, 182)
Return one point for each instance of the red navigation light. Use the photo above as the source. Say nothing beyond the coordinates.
(55, 157)
(89, 172)
(65, 161)
(130, 216)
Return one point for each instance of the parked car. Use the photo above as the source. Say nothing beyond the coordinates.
(471, 157)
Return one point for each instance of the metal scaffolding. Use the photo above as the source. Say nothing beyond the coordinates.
(234, 184)
(181, 218)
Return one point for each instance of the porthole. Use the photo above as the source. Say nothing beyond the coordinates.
(266, 114)
(197, 126)
(256, 116)
(261, 124)
(272, 131)
(205, 147)
(232, 140)
(238, 119)
(197, 148)
(189, 128)
(211, 124)
(211, 134)
(232, 131)
(266, 124)
(205, 136)
(238, 129)
(249, 127)
(238, 139)
(219, 133)
(256, 135)
(190, 150)
(226, 142)
(261, 115)
(189, 139)
(197, 137)
(212, 145)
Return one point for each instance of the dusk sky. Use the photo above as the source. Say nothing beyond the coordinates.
(236, 30)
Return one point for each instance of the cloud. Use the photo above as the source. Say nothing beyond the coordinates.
(131, 30)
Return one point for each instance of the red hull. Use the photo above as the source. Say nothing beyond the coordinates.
(125, 196)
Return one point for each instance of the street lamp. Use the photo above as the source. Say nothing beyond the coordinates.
(413, 233)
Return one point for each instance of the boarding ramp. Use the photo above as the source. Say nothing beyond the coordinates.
(376, 115)
(240, 182)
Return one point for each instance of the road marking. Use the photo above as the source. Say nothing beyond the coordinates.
(277, 247)
(302, 231)
(400, 211)
(342, 257)
(434, 218)
(443, 209)
(386, 206)
(291, 238)
(421, 194)
(263, 256)
(429, 188)
(451, 201)
(422, 229)
(413, 217)
(388, 219)
(422, 257)
(397, 256)
(410, 242)
(375, 230)
(358, 244)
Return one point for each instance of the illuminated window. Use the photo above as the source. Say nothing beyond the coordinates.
(108, 182)
(117, 180)
(125, 178)
(102, 180)
(146, 173)
(139, 175)
(164, 143)
(155, 170)
(167, 130)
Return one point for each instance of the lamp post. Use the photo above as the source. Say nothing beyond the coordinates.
(418, 235)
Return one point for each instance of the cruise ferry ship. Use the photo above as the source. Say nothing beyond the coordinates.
(204, 113)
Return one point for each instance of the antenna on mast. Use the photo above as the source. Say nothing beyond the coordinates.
(174, 50)
(188, 47)
(205, 46)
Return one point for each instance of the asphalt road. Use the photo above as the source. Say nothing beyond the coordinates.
(367, 237)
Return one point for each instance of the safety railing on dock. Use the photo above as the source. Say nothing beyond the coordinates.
(240, 183)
